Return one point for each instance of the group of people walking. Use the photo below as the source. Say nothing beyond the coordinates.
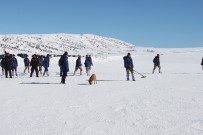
(64, 66)
(9, 65)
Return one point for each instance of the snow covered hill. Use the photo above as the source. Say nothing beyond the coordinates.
(170, 103)
(58, 43)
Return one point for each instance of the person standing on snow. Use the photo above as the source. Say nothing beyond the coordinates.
(128, 64)
(34, 63)
(27, 64)
(14, 65)
(8, 62)
(41, 60)
(78, 65)
(46, 65)
(88, 63)
(156, 62)
(64, 67)
(3, 65)
(202, 63)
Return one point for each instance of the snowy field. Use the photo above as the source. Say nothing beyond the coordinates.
(170, 103)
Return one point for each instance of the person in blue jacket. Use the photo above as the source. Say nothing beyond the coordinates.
(156, 62)
(64, 67)
(3, 65)
(46, 65)
(88, 63)
(27, 64)
(78, 65)
(128, 64)
(14, 65)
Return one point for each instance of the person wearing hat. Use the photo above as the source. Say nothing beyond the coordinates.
(78, 65)
(156, 62)
(128, 64)
(64, 67)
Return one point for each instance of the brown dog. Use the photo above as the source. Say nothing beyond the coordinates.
(93, 79)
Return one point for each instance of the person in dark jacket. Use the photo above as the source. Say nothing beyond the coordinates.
(27, 64)
(202, 63)
(64, 67)
(78, 65)
(14, 65)
(46, 65)
(128, 64)
(88, 63)
(34, 65)
(41, 60)
(156, 62)
(8, 62)
(3, 65)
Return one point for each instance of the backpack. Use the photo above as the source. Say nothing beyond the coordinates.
(154, 60)
(124, 58)
(60, 63)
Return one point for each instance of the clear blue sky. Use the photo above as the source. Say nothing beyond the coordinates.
(154, 23)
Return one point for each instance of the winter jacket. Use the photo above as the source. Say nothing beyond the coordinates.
(78, 62)
(14, 62)
(128, 62)
(156, 60)
(41, 60)
(34, 62)
(8, 61)
(64, 63)
(26, 61)
(88, 62)
(46, 62)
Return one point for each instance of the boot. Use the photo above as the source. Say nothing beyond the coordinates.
(133, 78)
(63, 79)
(128, 77)
(153, 71)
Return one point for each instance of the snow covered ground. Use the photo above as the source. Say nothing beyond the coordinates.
(170, 103)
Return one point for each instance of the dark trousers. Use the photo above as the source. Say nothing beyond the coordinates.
(63, 78)
(8, 70)
(34, 68)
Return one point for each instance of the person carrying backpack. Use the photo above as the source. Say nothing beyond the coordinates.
(128, 64)
(156, 62)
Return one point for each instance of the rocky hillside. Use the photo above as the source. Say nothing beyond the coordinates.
(58, 43)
